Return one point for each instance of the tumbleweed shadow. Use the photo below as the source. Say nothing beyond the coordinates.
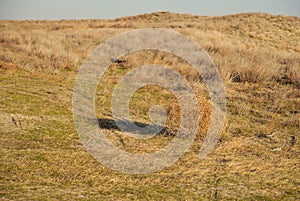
(111, 124)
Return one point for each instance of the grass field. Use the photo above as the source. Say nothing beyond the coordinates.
(256, 158)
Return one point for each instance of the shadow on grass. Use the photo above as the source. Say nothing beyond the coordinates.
(134, 127)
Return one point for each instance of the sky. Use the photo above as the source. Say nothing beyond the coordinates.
(109, 9)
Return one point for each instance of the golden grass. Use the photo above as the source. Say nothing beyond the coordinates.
(257, 157)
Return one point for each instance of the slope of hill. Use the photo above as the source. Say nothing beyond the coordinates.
(257, 157)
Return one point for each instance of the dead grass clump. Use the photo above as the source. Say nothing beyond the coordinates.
(8, 66)
(174, 116)
(253, 66)
(292, 75)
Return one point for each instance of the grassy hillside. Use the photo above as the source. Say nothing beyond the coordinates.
(257, 156)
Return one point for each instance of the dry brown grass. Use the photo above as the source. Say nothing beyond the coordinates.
(257, 157)
(253, 46)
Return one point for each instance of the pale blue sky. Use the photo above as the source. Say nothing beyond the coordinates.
(107, 9)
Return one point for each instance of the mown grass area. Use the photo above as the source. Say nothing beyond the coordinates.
(256, 158)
